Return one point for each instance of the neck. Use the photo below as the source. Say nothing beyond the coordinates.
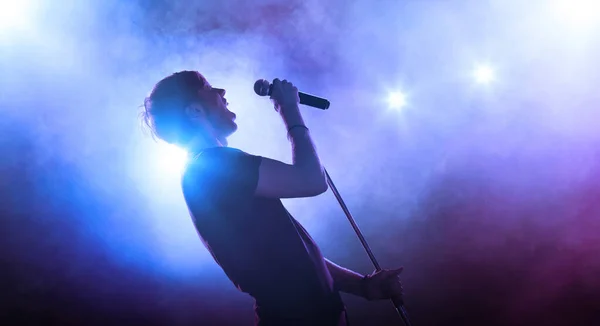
(199, 144)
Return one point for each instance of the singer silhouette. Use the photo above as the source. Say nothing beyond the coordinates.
(234, 199)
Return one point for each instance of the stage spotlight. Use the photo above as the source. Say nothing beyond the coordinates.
(484, 74)
(14, 14)
(577, 13)
(396, 100)
(172, 159)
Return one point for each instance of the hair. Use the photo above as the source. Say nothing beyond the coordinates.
(164, 109)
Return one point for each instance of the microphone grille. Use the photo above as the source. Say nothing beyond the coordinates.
(261, 87)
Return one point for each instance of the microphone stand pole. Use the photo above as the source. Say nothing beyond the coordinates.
(399, 305)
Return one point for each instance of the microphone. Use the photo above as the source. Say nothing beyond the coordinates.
(263, 88)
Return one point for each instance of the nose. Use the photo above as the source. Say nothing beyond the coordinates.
(221, 91)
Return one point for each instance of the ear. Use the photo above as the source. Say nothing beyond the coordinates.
(195, 112)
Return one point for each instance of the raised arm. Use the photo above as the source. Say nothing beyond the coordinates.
(304, 177)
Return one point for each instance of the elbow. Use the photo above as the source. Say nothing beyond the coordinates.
(320, 189)
(320, 185)
(314, 182)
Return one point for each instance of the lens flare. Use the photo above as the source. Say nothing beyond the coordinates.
(484, 74)
(396, 100)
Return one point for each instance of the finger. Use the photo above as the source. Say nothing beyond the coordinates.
(276, 84)
(287, 84)
(396, 290)
(391, 273)
(396, 271)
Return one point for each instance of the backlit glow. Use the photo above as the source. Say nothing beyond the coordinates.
(484, 74)
(172, 159)
(396, 100)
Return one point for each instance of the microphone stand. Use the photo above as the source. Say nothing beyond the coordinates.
(399, 305)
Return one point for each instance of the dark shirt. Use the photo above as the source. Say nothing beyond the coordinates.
(263, 250)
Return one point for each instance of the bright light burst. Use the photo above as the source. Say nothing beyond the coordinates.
(396, 100)
(14, 14)
(484, 74)
(577, 13)
(172, 159)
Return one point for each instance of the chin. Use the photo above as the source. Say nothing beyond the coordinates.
(229, 130)
(233, 127)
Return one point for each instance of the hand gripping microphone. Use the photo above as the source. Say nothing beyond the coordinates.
(263, 88)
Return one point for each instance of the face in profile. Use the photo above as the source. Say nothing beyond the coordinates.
(215, 104)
